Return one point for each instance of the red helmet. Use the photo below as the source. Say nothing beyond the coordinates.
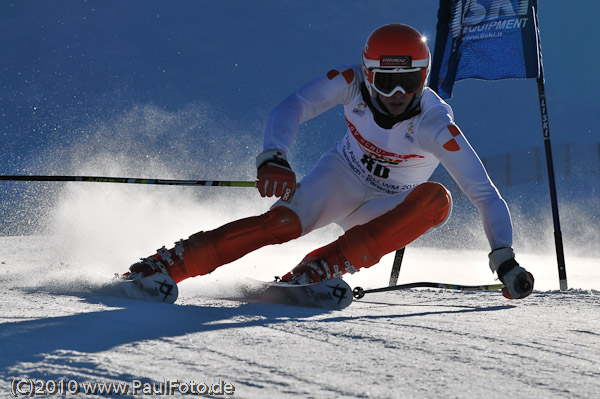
(396, 58)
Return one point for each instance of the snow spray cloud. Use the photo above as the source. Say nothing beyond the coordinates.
(106, 227)
(579, 210)
(93, 230)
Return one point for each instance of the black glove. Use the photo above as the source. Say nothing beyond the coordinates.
(518, 282)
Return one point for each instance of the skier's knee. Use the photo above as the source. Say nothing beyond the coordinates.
(434, 201)
(282, 224)
(425, 207)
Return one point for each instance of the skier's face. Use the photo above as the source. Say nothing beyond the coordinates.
(397, 103)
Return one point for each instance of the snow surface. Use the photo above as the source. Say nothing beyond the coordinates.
(409, 344)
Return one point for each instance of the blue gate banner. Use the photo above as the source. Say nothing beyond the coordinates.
(485, 39)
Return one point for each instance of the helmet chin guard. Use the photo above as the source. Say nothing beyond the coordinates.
(396, 58)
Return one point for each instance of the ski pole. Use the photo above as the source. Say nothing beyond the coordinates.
(130, 180)
(396, 266)
(359, 292)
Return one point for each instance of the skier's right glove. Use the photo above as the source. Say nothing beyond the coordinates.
(275, 175)
(518, 282)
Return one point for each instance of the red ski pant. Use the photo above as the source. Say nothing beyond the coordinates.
(425, 207)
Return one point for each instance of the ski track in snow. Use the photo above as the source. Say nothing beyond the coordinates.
(409, 344)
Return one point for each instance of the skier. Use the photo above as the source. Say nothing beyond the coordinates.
(373, 183)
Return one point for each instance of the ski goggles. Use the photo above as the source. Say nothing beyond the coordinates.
(389, 81)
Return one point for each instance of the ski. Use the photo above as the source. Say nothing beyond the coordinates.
(158, 287)
(359, 292)
(332, 294)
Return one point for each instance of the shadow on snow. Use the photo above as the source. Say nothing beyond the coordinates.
(133, 321)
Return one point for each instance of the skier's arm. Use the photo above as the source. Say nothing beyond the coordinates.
(440, 136)
(338, 86)
(274, 174)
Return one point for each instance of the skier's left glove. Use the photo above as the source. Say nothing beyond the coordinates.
(275, 175)
(518, 282)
